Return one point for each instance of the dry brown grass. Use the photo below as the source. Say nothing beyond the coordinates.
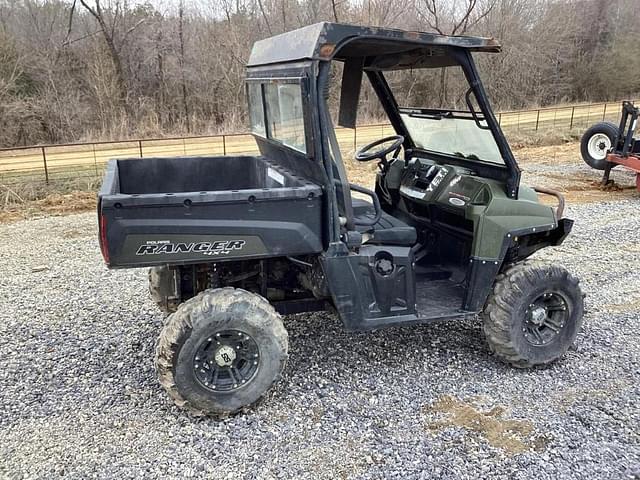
(52, 204)
(542, 138)
(551, 154)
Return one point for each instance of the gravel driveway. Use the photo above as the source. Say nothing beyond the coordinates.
(79, 398)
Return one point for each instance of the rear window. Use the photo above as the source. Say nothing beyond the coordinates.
(276, 112)
(256, 109)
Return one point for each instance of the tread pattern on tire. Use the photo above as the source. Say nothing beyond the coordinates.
(497, 314)
(179, 324)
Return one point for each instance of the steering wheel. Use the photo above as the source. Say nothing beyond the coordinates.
(365, 154)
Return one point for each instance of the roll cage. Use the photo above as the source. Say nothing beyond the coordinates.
(305, 56)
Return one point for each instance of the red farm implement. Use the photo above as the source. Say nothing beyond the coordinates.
(606, 145)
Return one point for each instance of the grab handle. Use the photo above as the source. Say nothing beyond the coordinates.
(376, 205)
(553, 193)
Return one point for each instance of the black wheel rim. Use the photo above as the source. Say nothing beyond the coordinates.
(545, 318)
(226, 360)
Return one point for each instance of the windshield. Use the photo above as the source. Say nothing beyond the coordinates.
(439, 118)
(452, 133)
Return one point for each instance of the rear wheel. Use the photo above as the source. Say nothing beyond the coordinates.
(221, 351)
(596, 143)
(533, 314)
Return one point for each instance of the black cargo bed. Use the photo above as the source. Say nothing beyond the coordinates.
(195, 209)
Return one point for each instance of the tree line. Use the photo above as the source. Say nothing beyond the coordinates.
(110, 69)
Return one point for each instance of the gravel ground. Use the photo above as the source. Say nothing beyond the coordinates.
(79, 398)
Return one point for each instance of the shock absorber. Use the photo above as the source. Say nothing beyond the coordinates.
(213, 277)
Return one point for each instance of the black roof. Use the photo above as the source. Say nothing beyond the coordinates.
(321, 41)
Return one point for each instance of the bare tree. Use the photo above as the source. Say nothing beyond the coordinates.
(453, 17)
(334, 9)
(81, 69)
(108, 22)
(183, 81)
(264, 17)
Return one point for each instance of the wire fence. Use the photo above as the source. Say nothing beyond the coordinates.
(50, 164)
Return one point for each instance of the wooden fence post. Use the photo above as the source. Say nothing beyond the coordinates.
(46, 170)
(95, 160)
(355, 137)
(573, 111)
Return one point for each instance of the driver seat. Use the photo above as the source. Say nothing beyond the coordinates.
(387, 231)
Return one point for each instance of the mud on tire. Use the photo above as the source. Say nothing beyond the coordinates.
(160, 287)
(197, 338)
(515, 325)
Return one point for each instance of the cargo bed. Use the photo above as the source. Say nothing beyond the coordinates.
(185, 210)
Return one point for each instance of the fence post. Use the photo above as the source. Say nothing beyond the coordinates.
(224, 144)
(588, 113)
(500, 119)
(140, 147)
(537, 119)
(355, 137)
(46, 170)
(573, 111)
(604, 114)
(95, 160)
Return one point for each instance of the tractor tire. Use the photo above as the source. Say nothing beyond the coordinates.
(221, 351)
(533, 315)
(596, 143)
(161, 288)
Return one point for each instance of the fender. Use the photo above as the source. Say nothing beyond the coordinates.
(516, 246)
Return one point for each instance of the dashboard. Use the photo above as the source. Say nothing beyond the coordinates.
(425, 182)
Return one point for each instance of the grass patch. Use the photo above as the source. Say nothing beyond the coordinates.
(542, 138)
(52, 203)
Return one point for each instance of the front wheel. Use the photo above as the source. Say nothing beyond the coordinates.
(221, 351)
(533, 314)
(597, 142)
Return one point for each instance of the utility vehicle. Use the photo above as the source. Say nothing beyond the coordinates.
(606, 145)
(235, 242)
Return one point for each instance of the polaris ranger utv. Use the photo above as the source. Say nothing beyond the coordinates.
(235, 242)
